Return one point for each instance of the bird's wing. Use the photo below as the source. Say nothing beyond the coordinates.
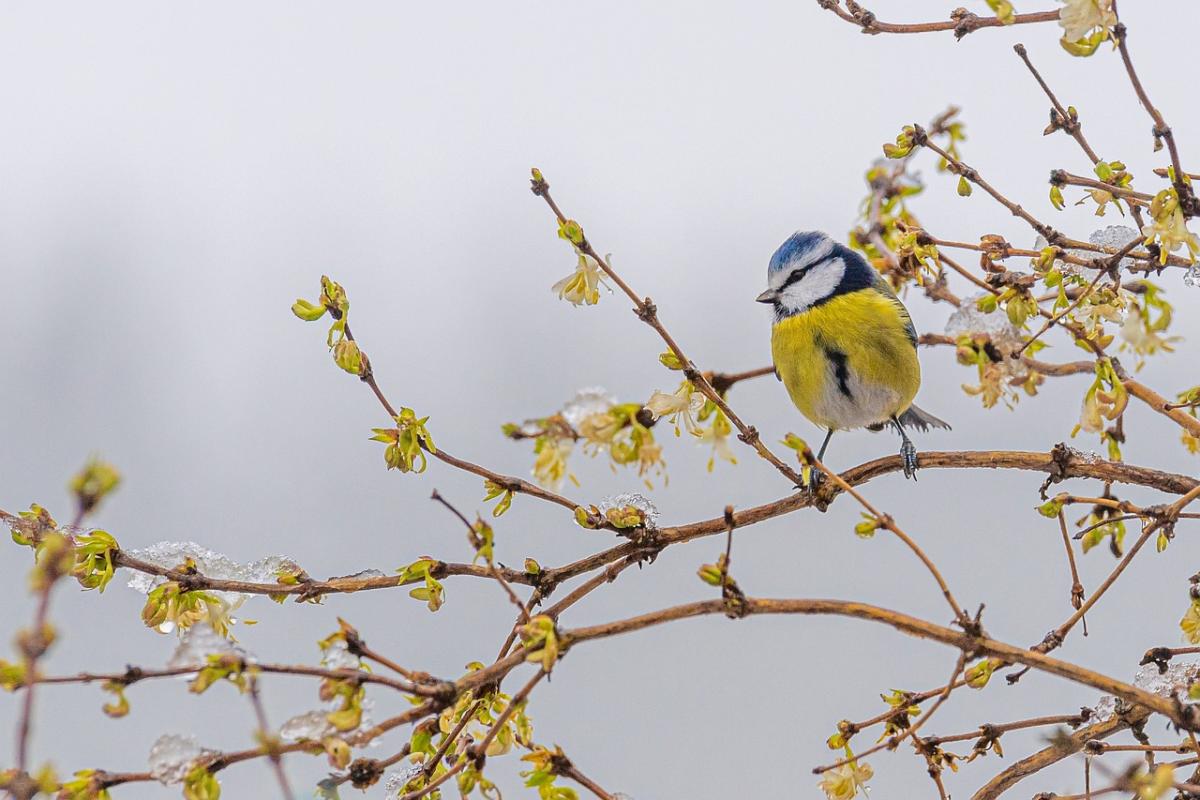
(880, 284)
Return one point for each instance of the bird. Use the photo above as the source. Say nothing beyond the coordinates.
(843, 344)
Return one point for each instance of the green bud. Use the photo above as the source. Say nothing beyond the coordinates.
(347, 356)
(710, 574)
(1056, 198)
(571, 231)
(980, 673)
(670, 360)
(309, 312)
(1051, 507)
(1084, 47)
(866, 529)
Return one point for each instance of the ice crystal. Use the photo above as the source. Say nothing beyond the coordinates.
(362, 575)
(968, 320)
(397, 780)
(1177, 678)
(1081, 457)
(1116, 237)
(1113, 236)
(198, 643)
(1192, 276)
(638, 501)
(312, 725)
(209, 563)
(172, 756)
(585, 403)
(338, 656)
(1174, 681)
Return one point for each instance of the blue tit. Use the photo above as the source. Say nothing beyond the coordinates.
(843, 343)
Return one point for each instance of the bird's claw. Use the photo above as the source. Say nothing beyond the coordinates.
(908, 460)
(812, 481)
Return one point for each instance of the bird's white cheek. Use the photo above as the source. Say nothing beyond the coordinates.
(817, 284)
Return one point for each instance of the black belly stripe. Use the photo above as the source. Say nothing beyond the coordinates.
(840, 370)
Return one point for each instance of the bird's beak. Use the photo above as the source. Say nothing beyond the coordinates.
(767, 297)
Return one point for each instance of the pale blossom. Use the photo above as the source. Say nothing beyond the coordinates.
(1171, 232)
(1078, 18)
(845, 782)
(718, 435)
(550, 465)
(582, 287)
(686, 402)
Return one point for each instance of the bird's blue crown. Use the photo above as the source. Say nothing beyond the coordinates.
(802, 248)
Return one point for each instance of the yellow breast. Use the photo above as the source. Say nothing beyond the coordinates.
(848, 362)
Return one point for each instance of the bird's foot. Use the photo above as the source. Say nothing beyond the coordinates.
(908, 459)
(812, 480)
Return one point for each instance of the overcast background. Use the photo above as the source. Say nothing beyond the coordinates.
(174, 175)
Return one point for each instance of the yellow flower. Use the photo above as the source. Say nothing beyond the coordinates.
(583, 285)
(1190, 624)
(717, 435)
(550, 466)
(1158, 784)
(685, 403)
(844, 782)
(599, 429)
(1079, 17)
(1141, 336)
(1170, 230)
(1090, 417)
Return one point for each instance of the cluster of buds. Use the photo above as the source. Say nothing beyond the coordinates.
(1105, 399)
(542, 642)
(546, 766)
(1168, 228)
(431, 592)
(346, 353)
(169, 606)
(406, 443)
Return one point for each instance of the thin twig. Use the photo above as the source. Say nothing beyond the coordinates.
(270, 744)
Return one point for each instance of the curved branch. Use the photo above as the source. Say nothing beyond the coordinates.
(961, 23)
(912, 626)
(1060, 463)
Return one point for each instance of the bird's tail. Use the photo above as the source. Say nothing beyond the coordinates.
(921, 420)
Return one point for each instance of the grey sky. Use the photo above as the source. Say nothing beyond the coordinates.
(175, 175)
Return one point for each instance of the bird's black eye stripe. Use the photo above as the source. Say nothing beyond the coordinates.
(797, 274)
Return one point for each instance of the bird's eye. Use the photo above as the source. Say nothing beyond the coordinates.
(796, 275)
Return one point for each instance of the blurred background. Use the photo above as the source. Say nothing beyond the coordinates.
(175, 175)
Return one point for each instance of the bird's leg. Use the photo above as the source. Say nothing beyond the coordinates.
(908, 452)
(815, 475)
(824, 444)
